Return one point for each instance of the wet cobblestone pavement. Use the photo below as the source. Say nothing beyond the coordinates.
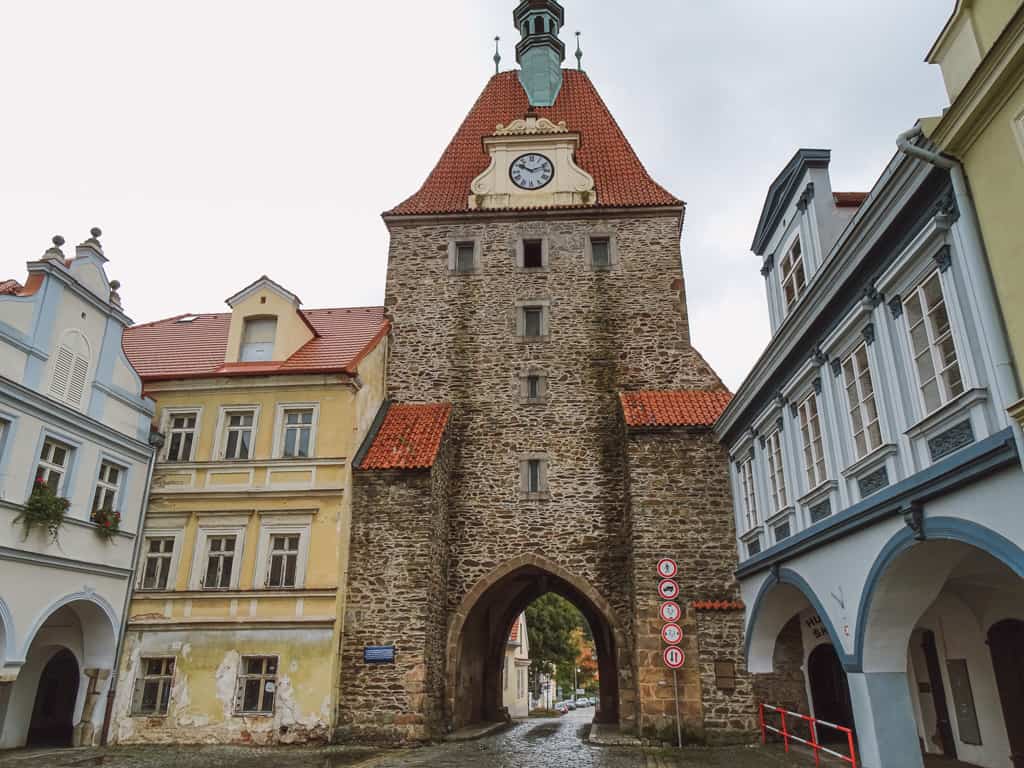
(530, 744)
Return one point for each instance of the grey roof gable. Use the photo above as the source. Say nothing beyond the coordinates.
(782, 190)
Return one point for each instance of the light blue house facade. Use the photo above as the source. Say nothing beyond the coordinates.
(72, 415)
(879, 495)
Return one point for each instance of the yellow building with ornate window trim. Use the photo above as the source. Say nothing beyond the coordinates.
(981, 53)
(234, 628)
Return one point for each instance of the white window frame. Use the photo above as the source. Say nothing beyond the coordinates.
(258, 351)
(164, 681)
(775, 461)
(813, 458)
(214, 529)
(785, 277)
(280, 426)
(544, 305)
(918, 294)
(264, 677)
(748, 487)
(167, 420)
(222, 427)
(453, 255)
(44, 466)
(172, 561)
(861, 407)
(116, 488)
(283, 525)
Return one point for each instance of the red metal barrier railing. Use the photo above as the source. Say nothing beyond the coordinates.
(814, 742)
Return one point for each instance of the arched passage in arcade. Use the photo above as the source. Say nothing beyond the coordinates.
(480, 630)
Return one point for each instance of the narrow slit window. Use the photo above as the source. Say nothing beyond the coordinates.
(749, 494)
(533, 254)
(533, 322)
(465, 257)
(533, 476)
(600, 252)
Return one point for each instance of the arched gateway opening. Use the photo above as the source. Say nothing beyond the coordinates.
(480, 631)
(53, 714)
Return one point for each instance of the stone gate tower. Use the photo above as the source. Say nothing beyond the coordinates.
(548, 427)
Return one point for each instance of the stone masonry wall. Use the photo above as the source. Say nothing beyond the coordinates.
(681, 507)
(786, 686)
(396, 585)
(455, 340)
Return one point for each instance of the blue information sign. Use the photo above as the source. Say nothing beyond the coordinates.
(379, 654)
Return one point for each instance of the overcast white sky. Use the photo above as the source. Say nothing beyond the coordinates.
(218, 140)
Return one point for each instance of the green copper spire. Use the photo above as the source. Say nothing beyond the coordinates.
(540, 52)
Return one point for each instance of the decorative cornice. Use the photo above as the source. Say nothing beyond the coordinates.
(531, 126)
(872, 297)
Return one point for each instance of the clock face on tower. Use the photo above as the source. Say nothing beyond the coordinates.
(531, 171)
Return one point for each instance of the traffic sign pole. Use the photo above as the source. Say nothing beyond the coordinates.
(679, 727)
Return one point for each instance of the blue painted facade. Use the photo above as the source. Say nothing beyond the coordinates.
(71, 410)
(877, 502)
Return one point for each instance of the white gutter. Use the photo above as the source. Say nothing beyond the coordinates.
(156, 441)
(978, 274)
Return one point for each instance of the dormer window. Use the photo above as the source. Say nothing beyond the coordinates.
(258, 339)
(794, 278)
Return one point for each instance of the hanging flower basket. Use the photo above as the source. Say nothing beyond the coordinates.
(44, 509)
(108, 523)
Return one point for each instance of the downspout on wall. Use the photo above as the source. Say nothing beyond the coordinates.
(156, 440)
(994, 335)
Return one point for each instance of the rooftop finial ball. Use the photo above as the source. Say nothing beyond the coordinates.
(95, 231)
(58, 240)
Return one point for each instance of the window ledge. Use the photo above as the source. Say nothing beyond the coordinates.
(781, 515)
(818, 494)
(534, 339)
(533, 270)
(872, 460)
(752, 535)
(472, 273)
(952, 410)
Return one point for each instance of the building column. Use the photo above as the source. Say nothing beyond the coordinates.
(86, 728)
(883, 714)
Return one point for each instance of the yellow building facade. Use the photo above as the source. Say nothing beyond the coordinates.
(981, 53)
(236, 620)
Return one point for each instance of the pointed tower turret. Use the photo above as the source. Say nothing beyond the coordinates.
(540, 52)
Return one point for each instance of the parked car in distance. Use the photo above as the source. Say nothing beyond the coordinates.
(593, 701)
(570, 704)
(582, 702)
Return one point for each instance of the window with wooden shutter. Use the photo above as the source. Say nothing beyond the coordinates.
(70, 369)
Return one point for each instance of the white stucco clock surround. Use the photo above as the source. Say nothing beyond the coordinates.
(532, 135)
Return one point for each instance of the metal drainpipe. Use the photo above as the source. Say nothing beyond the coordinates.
(157, 442)
(993, 328)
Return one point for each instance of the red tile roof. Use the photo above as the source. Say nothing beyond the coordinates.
(9, 287)
(172, 349)
(513, 636)
(718, 605)
(409, 437)
(686, 408)
(849, 199)
(604, 151)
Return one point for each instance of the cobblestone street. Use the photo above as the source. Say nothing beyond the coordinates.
(531, 744)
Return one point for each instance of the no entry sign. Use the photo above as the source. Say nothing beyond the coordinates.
(671, 612)
(672, 634)
(668, 589)
(668, 568)
(674, 657)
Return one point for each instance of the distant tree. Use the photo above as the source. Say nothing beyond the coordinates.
(554, 625)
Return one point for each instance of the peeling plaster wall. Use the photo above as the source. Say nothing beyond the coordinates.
(201, 709)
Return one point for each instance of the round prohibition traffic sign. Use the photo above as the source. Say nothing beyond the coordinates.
(671, 612)
(674, 657)
(672, 634)
(668, 568)
(668, 589)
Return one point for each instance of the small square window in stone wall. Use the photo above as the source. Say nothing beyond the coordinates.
(600, 248)
(725, 675)
(465, 260)
(533, 322)
(533, 254)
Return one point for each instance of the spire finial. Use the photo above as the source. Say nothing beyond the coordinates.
(497, 55)
(579, 52)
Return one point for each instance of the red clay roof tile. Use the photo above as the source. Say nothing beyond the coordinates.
(605, 153)
(409, 437)
(513, 636)
(849, 199)
(9, 287)
(686, 408)
(172, 349)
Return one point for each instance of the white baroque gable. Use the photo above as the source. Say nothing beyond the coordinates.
(570, 185)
